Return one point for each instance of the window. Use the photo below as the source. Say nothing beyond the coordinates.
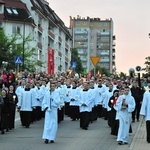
(92, 37)
(84, 23)
(78, 29)
(15, 11)
(100, 24)
(39, 37)
(106, 24)
(98, 31)
(9, 11)
(78, 22)
(40, 55)
(92, 30)
(16, 30)
(91, 50)
(1, 8)
(91, 44)
(91, 24)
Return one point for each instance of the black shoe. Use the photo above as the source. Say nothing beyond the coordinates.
(2, 132)
(138, 120)
(46, 141)
(124, 143)
(133, 120)
(7, 130)
(51, 141)
(85, 128)
(120, 142)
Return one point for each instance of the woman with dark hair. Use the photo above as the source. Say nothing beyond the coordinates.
(5, 111)
(13, 100)
(113, 122)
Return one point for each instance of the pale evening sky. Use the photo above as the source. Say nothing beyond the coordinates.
(131, 25)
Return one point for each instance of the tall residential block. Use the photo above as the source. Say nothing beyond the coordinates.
(94, 37)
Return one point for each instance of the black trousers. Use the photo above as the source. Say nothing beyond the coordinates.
(148, 130)
(74, 112)
(39, 115)
(26, 118)
(136, 112)
(12, 117)
(84, 119)
(67, 109)
(95, 112)
(4, 124)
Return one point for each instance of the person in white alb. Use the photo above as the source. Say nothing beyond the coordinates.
(145, 110)
(50, 105)
(125, 105)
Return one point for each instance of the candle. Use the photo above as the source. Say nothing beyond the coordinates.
(14, 97)
(112, 100)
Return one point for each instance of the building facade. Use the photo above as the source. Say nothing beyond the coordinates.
(94, 37)
(51, 38)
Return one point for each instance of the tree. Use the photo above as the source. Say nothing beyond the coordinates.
(12, 46)
(122, 74)
(101, 70)
(147, 63)
(75, 58)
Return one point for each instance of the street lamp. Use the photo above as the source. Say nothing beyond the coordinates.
(4, 63)
(23, 43)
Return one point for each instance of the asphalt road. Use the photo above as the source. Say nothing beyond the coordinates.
(69, 137)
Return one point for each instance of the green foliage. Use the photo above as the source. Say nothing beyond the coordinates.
(147, 63)
(122, 74)
(12, 46)
(75, 58)
(101, 70)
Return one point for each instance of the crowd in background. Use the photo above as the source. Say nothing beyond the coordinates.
(84, 98)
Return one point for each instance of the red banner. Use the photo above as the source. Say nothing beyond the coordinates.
(50, 62)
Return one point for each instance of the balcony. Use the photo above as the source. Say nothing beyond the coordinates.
(113, 57)
(80, 46)
(81, 32)
(39, 45)
(113, 63)
(66, 46)
(114, 37)
(83, 59)
(60, 54)
(105, 47)
(66, 59)
(104, 33)
(40, 28)
(104, 53)
(105, 60)
(51, 34)
(81, 39)
(113, 50)
(60, 39)
(114, 44)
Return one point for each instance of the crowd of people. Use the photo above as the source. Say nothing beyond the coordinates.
(38, 95)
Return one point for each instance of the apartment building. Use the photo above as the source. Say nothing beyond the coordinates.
(51, 37)
(94, 37)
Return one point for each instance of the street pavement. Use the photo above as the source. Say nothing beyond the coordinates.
(71, 137)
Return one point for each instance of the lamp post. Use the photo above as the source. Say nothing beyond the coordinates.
(5, 63)
(23, 43)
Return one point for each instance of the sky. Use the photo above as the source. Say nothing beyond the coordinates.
(131, 25)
